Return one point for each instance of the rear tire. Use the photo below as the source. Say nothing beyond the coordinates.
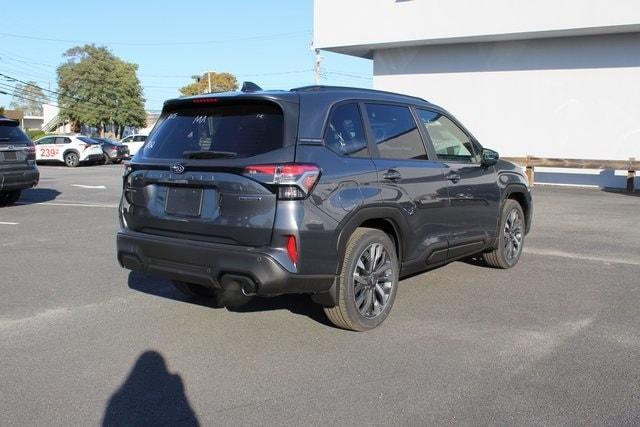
(71, 160)
(366, 289)
(9, 197)
(510, 237)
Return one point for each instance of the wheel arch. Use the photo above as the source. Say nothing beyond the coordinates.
(521, 194)
(385, 219)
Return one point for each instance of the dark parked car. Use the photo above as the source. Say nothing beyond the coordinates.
(18, 169)
(334, 192)
(113, 151)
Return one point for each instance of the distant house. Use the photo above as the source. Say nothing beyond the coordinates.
(26, 122)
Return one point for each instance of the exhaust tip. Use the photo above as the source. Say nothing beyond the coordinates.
(239, 283)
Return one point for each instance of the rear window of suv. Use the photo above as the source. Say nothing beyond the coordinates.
(10, 132)
(236, 129)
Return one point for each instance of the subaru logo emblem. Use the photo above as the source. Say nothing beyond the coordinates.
(176, 167)
(10, 147)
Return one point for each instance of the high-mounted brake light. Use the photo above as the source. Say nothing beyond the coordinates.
(204, 100)
(294, 180)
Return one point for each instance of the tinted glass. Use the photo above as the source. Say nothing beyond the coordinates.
(139, 138)
(449, 141)
(85, 140)
(246, 129)
(10, 132)
(395, 132)
(345, 132)
(62, 140)
(47, 140)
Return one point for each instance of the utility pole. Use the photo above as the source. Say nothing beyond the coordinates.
(316, 66)
(209, 76)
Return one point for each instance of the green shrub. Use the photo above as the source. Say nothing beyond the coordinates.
(35, 134)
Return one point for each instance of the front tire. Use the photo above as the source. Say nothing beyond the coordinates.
(368, 281)
(510, 237)
(71, 160)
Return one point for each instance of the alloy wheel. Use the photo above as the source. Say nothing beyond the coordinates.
(373, 280)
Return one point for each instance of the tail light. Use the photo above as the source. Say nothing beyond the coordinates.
(293, 181)
(30, 150)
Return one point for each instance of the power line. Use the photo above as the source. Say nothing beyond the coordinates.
(177, 43)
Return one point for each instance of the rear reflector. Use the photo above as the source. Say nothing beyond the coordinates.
(292, 249)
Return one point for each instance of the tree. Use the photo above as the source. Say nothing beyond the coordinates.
(28, 98)
(220, 82)
(1, 110)
(97, 88)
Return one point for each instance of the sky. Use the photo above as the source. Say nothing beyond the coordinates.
(266, 42)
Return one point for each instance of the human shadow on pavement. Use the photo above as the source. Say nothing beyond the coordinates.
(297, 304)
(38, 195)
(150, 396)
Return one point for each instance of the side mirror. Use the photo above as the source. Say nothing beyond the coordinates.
(489, 157)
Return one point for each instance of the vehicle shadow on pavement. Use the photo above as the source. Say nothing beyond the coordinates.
(297, 304)
(38, 195)
(151, 395)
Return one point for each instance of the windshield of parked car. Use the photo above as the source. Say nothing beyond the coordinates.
(236, 129)
(11, 132)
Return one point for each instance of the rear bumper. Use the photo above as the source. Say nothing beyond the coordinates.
(214, 265)
(94, 158)
(19, 180)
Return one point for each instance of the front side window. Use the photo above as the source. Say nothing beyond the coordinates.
(47, 140)
(139, 138)
(345, 132)
(395, 132)
(450, 142)
(239, 129)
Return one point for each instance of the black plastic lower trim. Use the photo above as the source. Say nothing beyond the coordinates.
(207, 263)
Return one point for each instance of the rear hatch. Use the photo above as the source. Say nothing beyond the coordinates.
(190, 180)
(16, 149)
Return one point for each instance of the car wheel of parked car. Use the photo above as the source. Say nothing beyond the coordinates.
(510, 237)
(71, 160)
(9, 197)
(368, 281)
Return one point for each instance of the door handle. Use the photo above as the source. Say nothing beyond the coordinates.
(392, 175)
(453, 177)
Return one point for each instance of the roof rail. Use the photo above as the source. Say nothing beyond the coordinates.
(318, 88)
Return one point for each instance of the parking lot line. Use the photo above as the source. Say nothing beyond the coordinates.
(8, 223)
(96, 187)
(83, 205)
(562, 254)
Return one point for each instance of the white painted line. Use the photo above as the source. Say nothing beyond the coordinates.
(82, 205)
(93, 187)
(583, 257)
(8, 223)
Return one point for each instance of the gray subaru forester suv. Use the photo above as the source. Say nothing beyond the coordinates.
(330, 191)
(18, 169)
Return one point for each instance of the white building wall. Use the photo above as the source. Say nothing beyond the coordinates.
(575, 97)
(366, 24)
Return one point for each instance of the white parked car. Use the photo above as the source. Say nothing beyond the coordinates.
(134, 142)
(71, 150)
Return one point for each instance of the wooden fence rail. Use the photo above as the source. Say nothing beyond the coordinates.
(631, 166)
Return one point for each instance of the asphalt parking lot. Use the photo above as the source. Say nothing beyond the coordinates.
(555, 340)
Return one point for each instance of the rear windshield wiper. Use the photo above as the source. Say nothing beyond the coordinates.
(206, 154)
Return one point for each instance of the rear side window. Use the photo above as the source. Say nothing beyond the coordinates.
(10, 132)
(243, 130)
(345, 132)
(449, 141)
(139, 138)
(395, 132)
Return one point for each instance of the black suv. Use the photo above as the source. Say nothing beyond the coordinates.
(18, 169)
(336, 192)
